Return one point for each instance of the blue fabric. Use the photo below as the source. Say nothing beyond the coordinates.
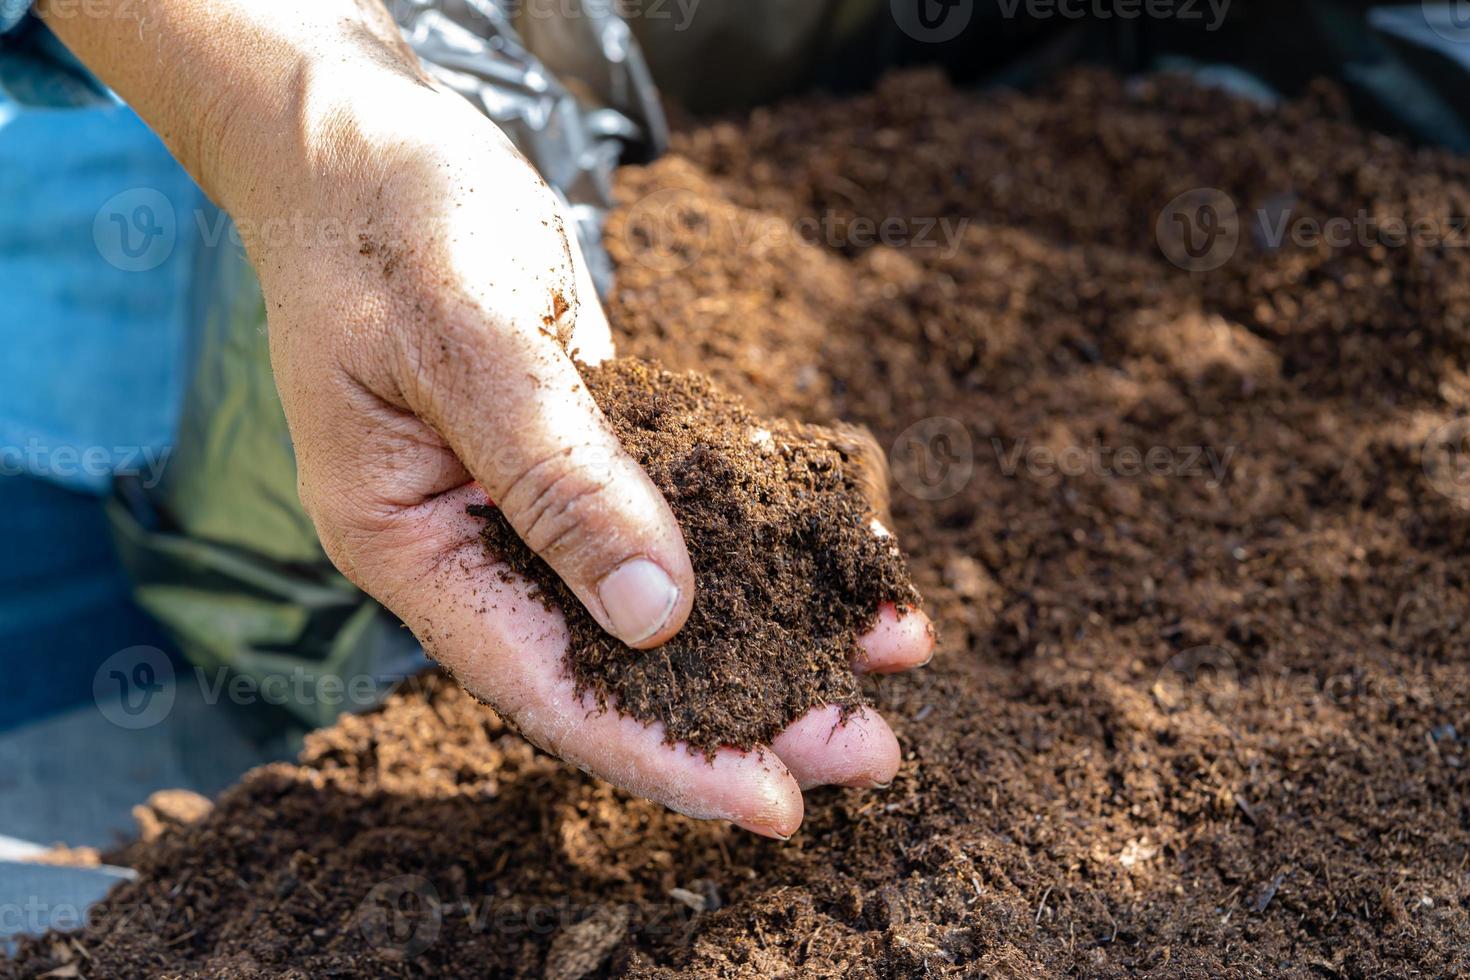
(65, 602)
(100, 234)
(99, 238)
(37, 69)
(11, 12)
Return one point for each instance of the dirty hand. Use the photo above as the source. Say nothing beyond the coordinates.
(423, 288)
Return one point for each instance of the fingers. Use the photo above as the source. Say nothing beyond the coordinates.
(547, 458)
(872, 469)
(754, 790)
(822, 749)
(507, 648)
(509, 402)
(896, 642)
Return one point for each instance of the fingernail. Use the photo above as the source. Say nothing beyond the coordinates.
(866, 782)
(638, 597)
(764, 831)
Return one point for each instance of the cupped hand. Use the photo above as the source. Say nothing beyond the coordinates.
(420, 336)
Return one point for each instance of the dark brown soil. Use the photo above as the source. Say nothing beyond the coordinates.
(1202, 719)
(789, 571)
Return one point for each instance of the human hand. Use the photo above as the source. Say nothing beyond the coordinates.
(423, 288)
(429, 360)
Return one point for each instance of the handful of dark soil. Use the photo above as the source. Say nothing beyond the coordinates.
(788, 569)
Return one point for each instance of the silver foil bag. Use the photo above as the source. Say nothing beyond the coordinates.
(565, 80)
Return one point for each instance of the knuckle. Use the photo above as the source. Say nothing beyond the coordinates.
(558, 503)
(369, 542)
(434, 355)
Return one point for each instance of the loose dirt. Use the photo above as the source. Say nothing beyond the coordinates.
(789, 569)
(1198, 566)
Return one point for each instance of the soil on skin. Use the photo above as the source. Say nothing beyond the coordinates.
(1197, 717)
(778, 518)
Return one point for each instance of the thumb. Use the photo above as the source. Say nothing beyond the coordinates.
(512, 406)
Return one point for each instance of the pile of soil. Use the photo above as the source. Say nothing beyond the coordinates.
(789, 571)
(1200, 705)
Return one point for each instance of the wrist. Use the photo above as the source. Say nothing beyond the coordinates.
(236, 87)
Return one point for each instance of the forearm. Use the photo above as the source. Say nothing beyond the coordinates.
(245, 93)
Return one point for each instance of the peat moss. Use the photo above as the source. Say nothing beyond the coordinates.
(778, 518)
